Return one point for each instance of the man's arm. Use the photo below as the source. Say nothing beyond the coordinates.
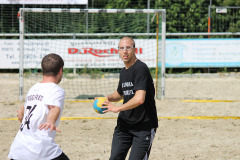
(51, 119)
(115, 97)
(137, 100)
(20, 113)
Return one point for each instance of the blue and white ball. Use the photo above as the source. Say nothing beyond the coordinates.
(97, 104)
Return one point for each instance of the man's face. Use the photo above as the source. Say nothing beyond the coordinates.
(126, 50)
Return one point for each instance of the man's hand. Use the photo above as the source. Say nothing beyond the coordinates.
(136, 101)
(47, 125)
(53, 115)
(98, 97)
(110, 107)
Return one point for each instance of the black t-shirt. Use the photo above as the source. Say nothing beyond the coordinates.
(137, 77)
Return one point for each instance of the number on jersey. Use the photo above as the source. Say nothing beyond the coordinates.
(28, 117)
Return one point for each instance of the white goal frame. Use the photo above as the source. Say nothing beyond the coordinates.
(157, 12)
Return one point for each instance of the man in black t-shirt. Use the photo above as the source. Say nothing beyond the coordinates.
(137, 120)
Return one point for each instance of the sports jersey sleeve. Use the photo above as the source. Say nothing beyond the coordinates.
(56, 98)
(141, 78)
(119, 89)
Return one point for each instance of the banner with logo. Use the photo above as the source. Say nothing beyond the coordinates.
(96, 53)
(89, 53)
(190, 53)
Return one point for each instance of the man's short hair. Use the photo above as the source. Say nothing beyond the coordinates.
(51, 64)
(129, 38)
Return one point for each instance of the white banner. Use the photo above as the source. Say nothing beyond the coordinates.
(43, 2)
(187, 53)
(90, 53)
(96, 53)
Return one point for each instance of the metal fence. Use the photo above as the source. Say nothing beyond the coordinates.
(183, 16)
(185, 19)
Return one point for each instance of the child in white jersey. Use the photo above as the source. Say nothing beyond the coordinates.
(40, 116)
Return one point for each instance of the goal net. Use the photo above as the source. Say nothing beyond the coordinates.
(87, 40)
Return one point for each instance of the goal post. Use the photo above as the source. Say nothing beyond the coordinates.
(87, 40)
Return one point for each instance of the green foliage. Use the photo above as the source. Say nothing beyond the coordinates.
(67, 73)
(223, 70)
(1, 26)
(182, 16)
(153, 72)
(185, 16)
(189, 71)
(121, 4)
(96, 73)
(170, 71)
(231, 3)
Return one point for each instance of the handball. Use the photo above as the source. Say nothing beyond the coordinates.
(97, 104)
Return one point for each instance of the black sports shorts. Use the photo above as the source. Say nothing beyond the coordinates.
(139, 141)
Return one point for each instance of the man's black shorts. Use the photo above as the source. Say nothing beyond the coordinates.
(139, 141)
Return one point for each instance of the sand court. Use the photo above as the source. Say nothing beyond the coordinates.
(87, 135)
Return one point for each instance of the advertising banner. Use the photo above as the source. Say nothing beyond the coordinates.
(97, 53)
(90, 53)
(189, 53)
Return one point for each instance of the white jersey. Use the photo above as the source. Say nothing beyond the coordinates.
(31, 143)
